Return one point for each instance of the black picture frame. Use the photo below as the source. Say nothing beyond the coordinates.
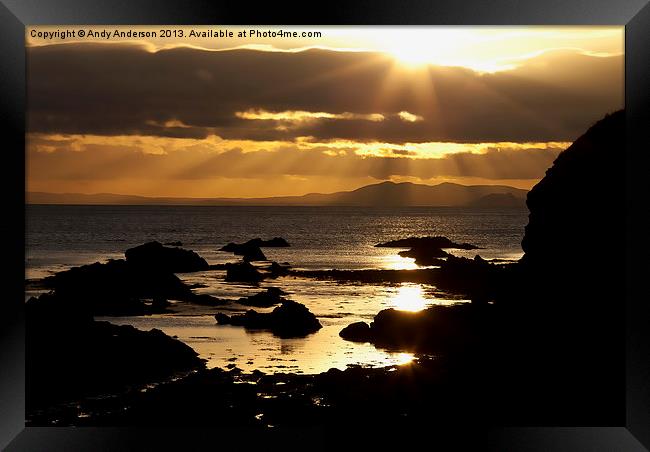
(15, 15)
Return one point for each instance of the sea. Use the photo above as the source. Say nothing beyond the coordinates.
(59, 237)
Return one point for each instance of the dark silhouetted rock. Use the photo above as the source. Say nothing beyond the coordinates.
(230, 247)
(116, 287)
(242, 272)
(248, 251)
(276, 242)
(69, 355)
(251, 250)
(252, 254)
(356, 332)
(426, 275)
(290, 319)
(276, 270)
(436, 329)
(268, 298)
(154, 255)
(222, 318)
(177, 243)
(426, 250)
(430, 256)
(571, 332)
(139, 285)
(475, 278)
(426, 242)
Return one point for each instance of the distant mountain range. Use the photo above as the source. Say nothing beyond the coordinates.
(382, 194)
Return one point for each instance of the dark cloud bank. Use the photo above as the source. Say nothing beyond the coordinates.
(124, 89)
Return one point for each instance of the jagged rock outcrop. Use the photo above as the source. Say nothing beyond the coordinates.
(69, 355)
(449, 329)
(243, 272)
(251, 250)
(116, 287)
(266, 299)
(155, 256)
(139, 285)
(426, 251)
(565, 302)
(579, 202)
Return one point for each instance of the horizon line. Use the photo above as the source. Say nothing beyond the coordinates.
(27, 192)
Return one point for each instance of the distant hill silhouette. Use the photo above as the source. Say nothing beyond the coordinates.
(382, 194)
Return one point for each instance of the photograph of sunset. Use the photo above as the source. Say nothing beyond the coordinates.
(277, 228)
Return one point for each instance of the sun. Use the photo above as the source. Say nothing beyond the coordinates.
(444, 46)
(409, 51)
(425, 46)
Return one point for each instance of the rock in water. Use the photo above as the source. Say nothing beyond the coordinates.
(154, 255)
(426, 242)
(270, 297)
(251, 250)
(426, 250)
(116, 287)
(449, 329)
(242, 272)
(275, 242)
(356, 332)
(425, 256)
(276, 270)
(290, 319)
(252, 254)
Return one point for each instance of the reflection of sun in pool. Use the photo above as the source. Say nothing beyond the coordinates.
(409, 298)
(404, 358)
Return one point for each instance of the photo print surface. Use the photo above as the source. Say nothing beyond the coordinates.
(276, 227)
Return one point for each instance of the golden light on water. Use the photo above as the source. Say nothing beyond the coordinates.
(397, 262)
(404, 358)
(409, 298)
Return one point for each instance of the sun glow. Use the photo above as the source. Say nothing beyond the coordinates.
(409, 298)
(397, 262)
(404, 358)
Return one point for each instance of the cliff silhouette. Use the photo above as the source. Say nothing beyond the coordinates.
(565, 300)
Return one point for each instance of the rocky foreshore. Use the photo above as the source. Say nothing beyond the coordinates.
(395, 396)
(542, 341)
(70, 356)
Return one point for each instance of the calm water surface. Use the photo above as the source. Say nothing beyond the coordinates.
(321, 238)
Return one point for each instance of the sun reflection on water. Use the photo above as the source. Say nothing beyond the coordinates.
(396, 262)
(404, 358)
(409, 298)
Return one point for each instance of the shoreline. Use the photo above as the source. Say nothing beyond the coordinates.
(66, 282)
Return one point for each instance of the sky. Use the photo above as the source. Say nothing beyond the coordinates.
(202, 115)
